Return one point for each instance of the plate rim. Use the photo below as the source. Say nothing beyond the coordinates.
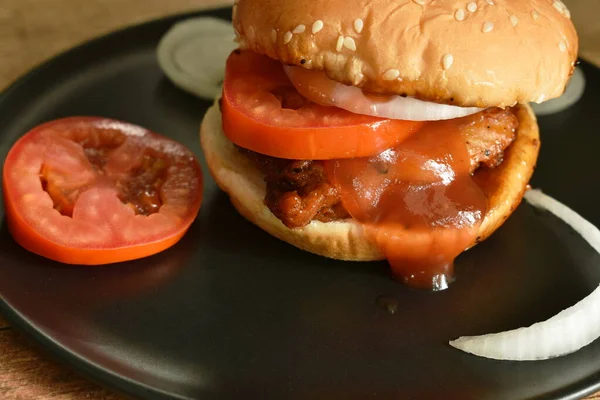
(66, 358)
(113, 381)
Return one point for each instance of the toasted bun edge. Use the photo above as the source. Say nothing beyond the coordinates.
(346, 240)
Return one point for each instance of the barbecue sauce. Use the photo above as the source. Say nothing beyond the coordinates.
(417, 201)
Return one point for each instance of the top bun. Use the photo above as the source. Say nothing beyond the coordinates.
(483, 53)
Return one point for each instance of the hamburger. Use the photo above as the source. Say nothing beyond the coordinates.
(386, 129)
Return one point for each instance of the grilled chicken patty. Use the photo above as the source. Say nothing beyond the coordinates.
(298, 190)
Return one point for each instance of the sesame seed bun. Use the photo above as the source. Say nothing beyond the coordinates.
(482, 53)
(345, 240)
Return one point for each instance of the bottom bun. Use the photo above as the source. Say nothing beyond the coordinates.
(346, 240)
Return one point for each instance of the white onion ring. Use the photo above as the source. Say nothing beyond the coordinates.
(566, 332)
(325, 91)
(193, 52)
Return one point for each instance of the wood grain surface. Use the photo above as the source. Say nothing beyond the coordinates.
(3, 323)
(32, 31)
(25, 373)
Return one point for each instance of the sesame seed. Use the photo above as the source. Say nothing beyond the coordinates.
(447, 61)
(340, 43)
(535, 15)
(349, 43)
(514, 20)
(358, 25)
(299, 29)
(487, 27)
(560, 6)
(556, 5)
(562, 46)
(541, 98)
(274, 35)
(490, 2)
(420, 2)
(317, 26)
(287, 37)
(459, 15)
(472, 7)
(391, 74)
(358, 78)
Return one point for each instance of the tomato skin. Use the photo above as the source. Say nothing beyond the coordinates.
(253, 117)
(26, 232)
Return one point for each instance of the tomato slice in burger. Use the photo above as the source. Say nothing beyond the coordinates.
(263, 112)
(93, 191)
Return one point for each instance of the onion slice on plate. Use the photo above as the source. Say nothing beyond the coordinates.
(317, 87)
(193, 53)
(566, 332)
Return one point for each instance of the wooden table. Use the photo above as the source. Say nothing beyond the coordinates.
(34, 30)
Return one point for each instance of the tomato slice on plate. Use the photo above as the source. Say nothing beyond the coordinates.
(263, 112)
(91, 191)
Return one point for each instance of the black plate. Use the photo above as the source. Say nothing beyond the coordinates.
(232, 313)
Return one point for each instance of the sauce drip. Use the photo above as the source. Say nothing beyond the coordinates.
(417, 201)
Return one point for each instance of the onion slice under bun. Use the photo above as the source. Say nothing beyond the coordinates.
(564, 333)
(574, 92)
(317, 87)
